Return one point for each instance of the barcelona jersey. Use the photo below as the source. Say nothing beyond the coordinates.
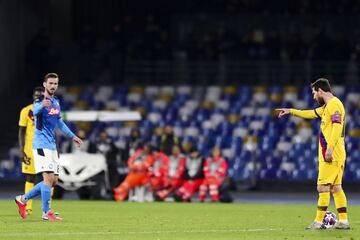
(332, 128)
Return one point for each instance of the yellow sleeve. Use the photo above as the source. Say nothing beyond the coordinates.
(337, 123)
(309, 114)
(23, 117)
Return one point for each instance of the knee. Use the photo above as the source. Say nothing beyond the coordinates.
(336, 188)
(48, 179)
(323, 188)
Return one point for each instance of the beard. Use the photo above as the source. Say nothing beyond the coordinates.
(320, 101)
(50, 91)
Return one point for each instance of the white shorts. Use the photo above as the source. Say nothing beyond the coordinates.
(46, 160)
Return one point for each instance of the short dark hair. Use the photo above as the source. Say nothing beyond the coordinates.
(38, 89)
(321, 83)
(50, 75)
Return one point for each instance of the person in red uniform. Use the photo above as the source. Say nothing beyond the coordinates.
(193, 176)
(173, 172)
(215, 169)
(139, 164)
(157, 172)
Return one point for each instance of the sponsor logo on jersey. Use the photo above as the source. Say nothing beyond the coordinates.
(53, 111)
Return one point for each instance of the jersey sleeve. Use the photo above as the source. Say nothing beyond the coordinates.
(309, 114)
(64, 128)
(336, 115)
(23, 118)
(37, 108)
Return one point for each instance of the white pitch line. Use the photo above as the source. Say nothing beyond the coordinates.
(140, 232)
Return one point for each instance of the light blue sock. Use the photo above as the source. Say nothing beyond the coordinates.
(45, 197)
(35, 191)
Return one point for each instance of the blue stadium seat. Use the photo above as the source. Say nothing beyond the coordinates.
(299, 174)
(268, 174)
(282, 174)
(201, 114)
(224, 129)
(223, 141)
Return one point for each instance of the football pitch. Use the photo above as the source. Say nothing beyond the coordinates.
(111, 220)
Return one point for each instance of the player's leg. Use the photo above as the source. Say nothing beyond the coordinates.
(323, 202)
(341, 206)
(50, 169)
(28, 168)
(340, 201)
(21, 200)
(326, 177)
(29, 184)
(46, 191)
(46, 197)
(56, 179)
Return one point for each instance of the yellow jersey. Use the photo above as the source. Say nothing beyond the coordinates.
(27, 120)
(332, 128)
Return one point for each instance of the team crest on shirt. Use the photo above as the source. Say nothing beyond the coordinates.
(53, 111)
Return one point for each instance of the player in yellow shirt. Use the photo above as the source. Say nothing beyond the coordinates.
(332, 152)
(26, 134)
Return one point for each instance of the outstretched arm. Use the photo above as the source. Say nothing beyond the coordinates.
(64, 128)
(309, 114)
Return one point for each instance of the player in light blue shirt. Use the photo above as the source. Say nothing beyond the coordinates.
(46, 120)
(47, 115)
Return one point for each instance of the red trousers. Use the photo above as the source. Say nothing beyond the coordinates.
(169, 186)
(213, 185)
(188, 188)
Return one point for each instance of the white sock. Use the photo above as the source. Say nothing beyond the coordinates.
(22, 199)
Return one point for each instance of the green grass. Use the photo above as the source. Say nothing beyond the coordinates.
(111, 220)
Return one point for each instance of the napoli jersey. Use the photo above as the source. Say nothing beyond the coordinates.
(46, 121)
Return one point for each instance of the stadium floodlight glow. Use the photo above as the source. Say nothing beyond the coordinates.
(104, 116)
